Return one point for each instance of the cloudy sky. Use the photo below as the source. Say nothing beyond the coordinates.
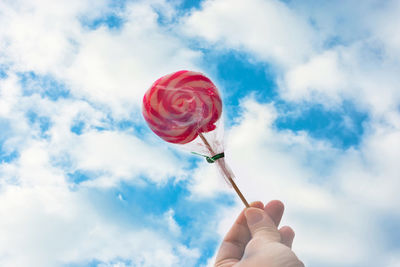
(311, 113)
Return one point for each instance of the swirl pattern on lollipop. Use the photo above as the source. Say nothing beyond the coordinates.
(179, 106)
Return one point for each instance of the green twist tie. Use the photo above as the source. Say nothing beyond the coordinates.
(213, 158)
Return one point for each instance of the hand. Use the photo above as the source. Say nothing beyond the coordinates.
(255, 241)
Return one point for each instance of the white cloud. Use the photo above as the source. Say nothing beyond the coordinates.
(115, 154)
(269, 30)
(359, 65)
(44, 223)
(173, 226)
(206, 181)
(115, 68)
(324, 53)
(393, 260)
(321, 75)
(9, 93)
(47, 37)
(385, 29)
(122, 157)
(40, 35)
(51, 226)
(351, 73)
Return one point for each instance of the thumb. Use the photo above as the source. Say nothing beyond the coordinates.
(261, 225)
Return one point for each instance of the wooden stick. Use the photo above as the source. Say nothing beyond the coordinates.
(223, 168)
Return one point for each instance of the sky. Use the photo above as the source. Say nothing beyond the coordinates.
(311, 117)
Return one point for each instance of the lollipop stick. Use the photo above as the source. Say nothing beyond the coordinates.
(224, 169)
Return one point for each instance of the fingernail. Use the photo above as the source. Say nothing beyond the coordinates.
(253, 216)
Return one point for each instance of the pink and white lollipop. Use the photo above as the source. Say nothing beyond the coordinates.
(179, 106)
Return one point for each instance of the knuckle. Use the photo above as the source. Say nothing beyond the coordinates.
(225, 263)
(267, 232)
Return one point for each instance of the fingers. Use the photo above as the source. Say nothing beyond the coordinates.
(287, 236)
(275, 210)
(234, 243)
(254, 222)
(261, 225)
(255, 204)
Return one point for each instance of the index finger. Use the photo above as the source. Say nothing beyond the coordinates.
(235, 241)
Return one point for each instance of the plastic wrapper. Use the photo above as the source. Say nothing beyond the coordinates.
(185, 108)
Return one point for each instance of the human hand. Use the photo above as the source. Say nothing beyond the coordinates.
(255, 241)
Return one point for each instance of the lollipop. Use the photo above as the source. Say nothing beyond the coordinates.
(181, 106)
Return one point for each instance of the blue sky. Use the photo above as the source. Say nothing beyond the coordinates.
(311, 116)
